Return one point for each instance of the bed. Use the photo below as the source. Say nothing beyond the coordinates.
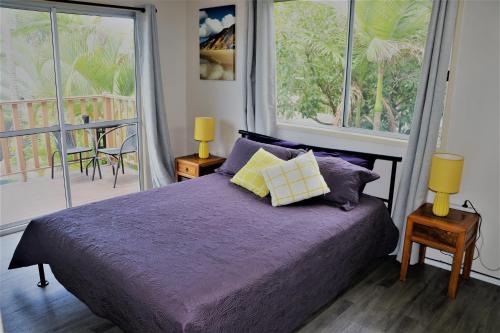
(207, 256)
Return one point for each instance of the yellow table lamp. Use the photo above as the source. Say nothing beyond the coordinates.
(446, 173)
(204, 132)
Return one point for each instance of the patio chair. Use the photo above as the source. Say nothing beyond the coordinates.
(94, 160)
(129, 145)
(71, 148)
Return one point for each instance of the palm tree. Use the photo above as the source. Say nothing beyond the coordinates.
(91, 62)
(385, 29)
(95, 61)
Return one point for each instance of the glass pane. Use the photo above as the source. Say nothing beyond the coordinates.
(311, 39)
(27, 93)
(389, 42)
(88, 185)
(27, 189)
(98, 67)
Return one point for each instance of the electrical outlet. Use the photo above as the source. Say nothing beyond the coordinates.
(459, 206)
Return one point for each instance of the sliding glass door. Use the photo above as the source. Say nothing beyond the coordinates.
(68, 116)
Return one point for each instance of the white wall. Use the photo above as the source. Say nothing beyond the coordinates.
(473, 128)
(473, 122)
(223, 100)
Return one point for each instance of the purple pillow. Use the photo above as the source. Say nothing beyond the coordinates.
(244, 149)
(345, 180)
(364, 162)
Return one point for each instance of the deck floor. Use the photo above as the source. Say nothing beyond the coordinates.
(39, 195)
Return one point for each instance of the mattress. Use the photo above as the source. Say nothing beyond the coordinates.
(207, 256)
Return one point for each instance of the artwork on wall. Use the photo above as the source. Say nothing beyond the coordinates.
(217, 43)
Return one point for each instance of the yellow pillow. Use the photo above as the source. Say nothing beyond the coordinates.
(295, 180)
(250, 176)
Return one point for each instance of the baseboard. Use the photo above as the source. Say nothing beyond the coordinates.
(474, 274)
(13, 228)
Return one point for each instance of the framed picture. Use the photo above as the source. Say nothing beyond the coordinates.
(217, 43)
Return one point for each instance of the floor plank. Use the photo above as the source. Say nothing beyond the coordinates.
(377, 302)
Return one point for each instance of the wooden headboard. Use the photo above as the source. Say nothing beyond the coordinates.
(393, 159)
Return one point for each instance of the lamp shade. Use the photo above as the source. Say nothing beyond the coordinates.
(204, 128)
(446, 173)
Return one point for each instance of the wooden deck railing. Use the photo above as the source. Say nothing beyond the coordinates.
(22, 154)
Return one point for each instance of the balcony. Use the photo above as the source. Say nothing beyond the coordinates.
(27, 189)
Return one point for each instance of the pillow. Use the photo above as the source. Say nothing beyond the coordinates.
(295, 180)
(362, 161)
(244, 149)
(250, 176)
(365, 162)
(345, 179)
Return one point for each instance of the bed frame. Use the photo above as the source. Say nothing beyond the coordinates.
(264, 138)
(393, 159)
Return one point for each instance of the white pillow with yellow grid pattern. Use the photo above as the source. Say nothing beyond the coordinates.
(250, 176)
(295, 180)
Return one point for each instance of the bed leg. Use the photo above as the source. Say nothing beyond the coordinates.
(43, 283)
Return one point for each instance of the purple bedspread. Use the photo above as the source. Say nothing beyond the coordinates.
(206, 256)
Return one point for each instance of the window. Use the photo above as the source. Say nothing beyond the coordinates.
(385, 49)
(44, 112)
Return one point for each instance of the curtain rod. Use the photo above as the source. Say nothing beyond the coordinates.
(140, 9)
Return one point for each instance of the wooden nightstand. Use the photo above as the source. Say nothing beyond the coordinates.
(192, 166)
(454, 233)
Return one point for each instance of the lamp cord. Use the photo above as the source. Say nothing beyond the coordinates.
(478, 237)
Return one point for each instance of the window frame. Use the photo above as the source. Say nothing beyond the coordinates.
(345, 129)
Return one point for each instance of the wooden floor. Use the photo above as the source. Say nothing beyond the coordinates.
(378, 302)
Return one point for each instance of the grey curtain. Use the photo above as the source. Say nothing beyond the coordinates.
(157, 161)
(260, 76)
(429, 105)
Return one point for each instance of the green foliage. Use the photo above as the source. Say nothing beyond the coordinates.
(94, 60)
(125, 78)
(388, 42)
(310, 43)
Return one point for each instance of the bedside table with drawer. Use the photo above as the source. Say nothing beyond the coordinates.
(455, 233)
(192, 166)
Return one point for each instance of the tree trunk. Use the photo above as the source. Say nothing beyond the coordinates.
(357, 115)
(377, 110)
(391, 117)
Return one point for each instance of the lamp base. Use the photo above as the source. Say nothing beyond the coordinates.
(441, 205)
(203, 150)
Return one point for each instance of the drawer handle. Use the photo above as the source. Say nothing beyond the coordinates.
(187, 169)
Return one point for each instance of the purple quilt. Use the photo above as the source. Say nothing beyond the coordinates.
(207, 256)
